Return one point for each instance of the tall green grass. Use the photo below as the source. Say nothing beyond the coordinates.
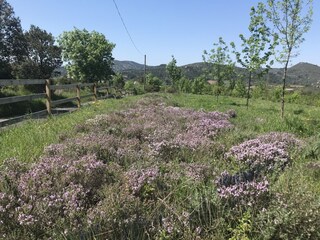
(290, 210)
(26, 141)
(261, 116)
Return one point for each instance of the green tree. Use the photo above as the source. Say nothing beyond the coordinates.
(239, 88)
(12, 41)
(174, 72)
(118, 81)
(291, 20)
(153, 84)
(219, 64)
(185, 85)
(198, 85)
(257, 48)
(88, 55)
(43, 56)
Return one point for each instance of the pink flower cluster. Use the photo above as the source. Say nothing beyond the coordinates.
(63, 189)
(244, 189)
(55, 187)
(161, 129)
(265, 152)
(137, 179)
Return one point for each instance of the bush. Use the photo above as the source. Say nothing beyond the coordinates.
(135, 88)
(157, 171)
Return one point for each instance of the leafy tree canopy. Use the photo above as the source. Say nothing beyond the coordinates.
(258, 47)
(88, 55)
(118, 81)
(219, 63)
(174, 71)
(291, 20)
(43, 56)
(12, 41)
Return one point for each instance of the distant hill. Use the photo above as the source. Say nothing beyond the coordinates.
(300, 74)
(120, 66)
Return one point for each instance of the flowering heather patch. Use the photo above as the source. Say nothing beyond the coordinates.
(54, 188)
(195, 171)
(187, 129)
(107, 147)
(244, 189)
(164, 129)
(278, 138)
(138, 179)
(266, 151)
(240, 187)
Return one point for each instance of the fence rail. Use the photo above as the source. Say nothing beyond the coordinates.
(21, 98)
(15, 82)
(50, 103)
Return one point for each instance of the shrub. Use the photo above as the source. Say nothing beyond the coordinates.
(241, 190)
(53, 194)
(266, 153)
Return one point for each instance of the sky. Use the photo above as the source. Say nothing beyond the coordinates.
(159, 28)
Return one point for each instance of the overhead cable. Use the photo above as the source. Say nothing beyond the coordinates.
(135, 46)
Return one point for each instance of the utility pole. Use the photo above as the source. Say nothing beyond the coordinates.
(145, 72)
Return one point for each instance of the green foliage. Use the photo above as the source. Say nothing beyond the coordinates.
(19, 108)
(16, 140)
(260, 90)
(43, 56)
(88, 55)
(239, 89)
(256, 49)
(185, 85)
(243, 229)
(153, 84)
(219, 64)
(134, 87)
(294, 97)
(117, 81)
(198, 85)
(42, 53)
(291, 20)
(288, 216)
(12, 40)
(276, 94)
(170, 196)
(174, 72)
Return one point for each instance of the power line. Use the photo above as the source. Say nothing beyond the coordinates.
(115, 4)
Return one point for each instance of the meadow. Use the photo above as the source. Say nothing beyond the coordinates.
(164, 166)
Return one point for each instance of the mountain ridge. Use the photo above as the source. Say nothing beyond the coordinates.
(303, 73)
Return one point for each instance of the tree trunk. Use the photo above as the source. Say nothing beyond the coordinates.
(249, 86)
(285, 70)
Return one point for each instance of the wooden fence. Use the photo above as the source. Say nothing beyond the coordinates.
(50, 103)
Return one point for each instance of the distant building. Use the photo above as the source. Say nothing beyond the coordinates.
(212, 82)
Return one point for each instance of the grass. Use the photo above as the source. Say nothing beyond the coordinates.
(26, 107)
(171, 202)
(26, 141)
(261, 116)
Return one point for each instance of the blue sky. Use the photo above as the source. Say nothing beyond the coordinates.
(159, 28)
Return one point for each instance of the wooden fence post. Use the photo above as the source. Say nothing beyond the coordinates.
(48, 93)
(95, 92)
(78, 96)
(108, 91)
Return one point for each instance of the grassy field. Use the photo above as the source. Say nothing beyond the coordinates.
(27, 140)
(164, 166)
